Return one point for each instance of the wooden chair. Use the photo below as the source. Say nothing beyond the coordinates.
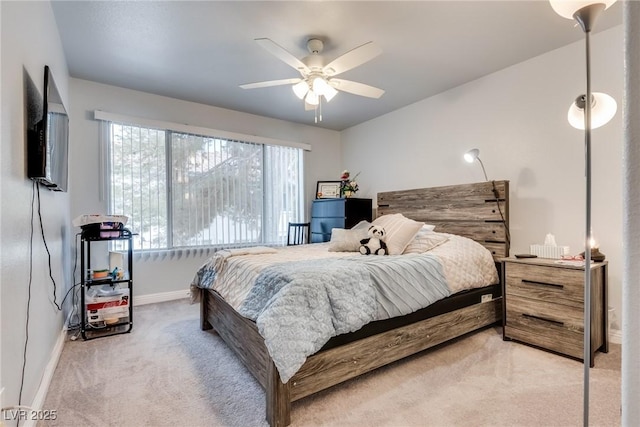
(298, 233)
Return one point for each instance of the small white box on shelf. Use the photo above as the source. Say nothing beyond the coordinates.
(549, 251)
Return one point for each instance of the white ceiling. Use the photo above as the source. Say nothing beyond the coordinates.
(201, 51)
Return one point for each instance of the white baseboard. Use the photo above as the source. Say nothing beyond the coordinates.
(160, 297)
(615, 336)
(41, 394)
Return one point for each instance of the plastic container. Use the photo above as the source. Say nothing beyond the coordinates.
(100, 274)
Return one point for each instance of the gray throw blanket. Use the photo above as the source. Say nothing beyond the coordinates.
(299, 306)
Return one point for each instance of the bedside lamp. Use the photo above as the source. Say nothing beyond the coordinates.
(596, 255)
(473, 155)
(470, 157)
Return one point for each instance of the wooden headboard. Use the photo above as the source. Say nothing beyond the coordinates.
(478, 211)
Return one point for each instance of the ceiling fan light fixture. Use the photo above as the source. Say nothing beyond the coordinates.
(329, 93)
(319, 85)
(312, 98)
(317, 77)
(300, 89)
(322, 88)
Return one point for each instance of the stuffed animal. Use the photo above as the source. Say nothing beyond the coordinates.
(374, 244)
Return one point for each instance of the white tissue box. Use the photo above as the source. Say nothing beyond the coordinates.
(548, 251)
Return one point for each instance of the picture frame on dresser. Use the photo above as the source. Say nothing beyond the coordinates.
(328, 190)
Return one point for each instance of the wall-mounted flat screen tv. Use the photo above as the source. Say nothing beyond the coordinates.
(48, 145)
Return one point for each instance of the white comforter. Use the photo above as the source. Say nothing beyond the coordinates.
(301, 296)
(466, 264)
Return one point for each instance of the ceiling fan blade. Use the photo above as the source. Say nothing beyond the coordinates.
(270, 83)
(282, 54)
(352, 59)
(356, 88)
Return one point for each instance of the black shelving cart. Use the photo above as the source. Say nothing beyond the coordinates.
(110, 312)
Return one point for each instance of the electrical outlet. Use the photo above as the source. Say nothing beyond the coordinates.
(486, 298)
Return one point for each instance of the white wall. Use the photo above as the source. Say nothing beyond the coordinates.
(159, 275)
(517, 118)
(29, 41)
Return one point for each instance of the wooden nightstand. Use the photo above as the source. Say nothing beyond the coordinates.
(543, 305)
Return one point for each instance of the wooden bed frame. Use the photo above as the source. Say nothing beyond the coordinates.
(479, 211)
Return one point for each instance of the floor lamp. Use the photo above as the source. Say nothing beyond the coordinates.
(587, 112)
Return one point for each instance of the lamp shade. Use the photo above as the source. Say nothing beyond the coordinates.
(471, 155)
(567, 8)
(301, 88)
(603, 108)
(329, 93)
(322, 88)
(312, 98)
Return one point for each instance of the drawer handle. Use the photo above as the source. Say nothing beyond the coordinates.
(544, 319)
(533, 282)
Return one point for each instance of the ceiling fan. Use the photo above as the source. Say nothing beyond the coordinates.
(318, 77)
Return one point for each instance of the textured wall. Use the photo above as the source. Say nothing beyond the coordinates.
(631, 222)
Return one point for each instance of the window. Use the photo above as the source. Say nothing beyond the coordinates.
(182, 190)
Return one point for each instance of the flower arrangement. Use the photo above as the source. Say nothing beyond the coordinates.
(348, 185)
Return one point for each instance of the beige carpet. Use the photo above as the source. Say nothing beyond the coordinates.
(167, 372)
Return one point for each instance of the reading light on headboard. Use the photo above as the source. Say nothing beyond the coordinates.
(473, 155)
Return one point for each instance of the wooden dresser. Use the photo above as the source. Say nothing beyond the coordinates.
(337, 213)
(544, 305)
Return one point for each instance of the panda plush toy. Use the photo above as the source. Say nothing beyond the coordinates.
(374, 244)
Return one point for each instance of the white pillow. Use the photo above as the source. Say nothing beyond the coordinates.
(343, 240)
(399, 231)
(364, 224)
(428, 227)
(424, 241)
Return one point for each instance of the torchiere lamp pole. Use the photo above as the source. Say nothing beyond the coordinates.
(585, 13)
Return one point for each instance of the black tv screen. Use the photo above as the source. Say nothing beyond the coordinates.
(48, 145)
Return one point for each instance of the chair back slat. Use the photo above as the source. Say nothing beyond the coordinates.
(298, 233)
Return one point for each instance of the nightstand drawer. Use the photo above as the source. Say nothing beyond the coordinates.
(552, 326)
(554, 285)
(525, 310)
(565, 342)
